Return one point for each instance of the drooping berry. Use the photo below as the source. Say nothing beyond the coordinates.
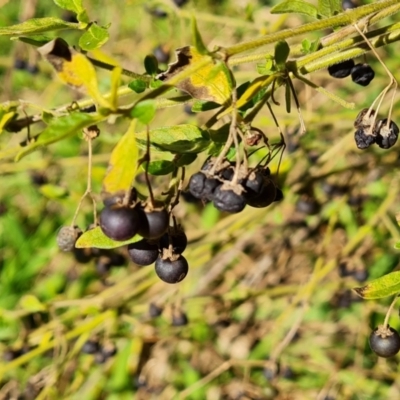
(227, 199)
(385, 342)
(67, 237)
(154, 223)
(254, 184)
(341, 70)
(386, 134)
(120, 222)
(90, 347)
(171, 271)
(363, 138)
(196, 184)
(362, 74)
(176, 237)
(155, 310)
(365, 119)
(143, 252)
(179, 318)
(266, 196)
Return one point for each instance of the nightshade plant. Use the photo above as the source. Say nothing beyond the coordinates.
(231, 178)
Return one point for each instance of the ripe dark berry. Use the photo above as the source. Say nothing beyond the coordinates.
(307, 205)
(161, 53)
(155, 310)
(210, 186)
(386, 135)
(177, 238)
(226, 199)
(154, 223)
(384, 342)
(120, 223)
(20, 64)
(254, 184)
(278, 195)
(363, 138)
(179, 319)
(83, 256)
(67, 237)
(196, 184)
(171, 271)
(143, 252)
(266, 197)
(90, 347)
(362, 74)
(341, 70)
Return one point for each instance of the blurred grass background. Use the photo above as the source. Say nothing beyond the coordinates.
(268, 301)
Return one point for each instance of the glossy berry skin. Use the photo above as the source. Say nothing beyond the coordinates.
(386, 135)
(254, 184)
(171, 271)
(119, 223)
(363, 140)
(196, 184)
(153, 223)
(177, 238)
(362, 74)
(266, 197)
(143, 252)
(385, 342)
(226, 199)
(341, 70)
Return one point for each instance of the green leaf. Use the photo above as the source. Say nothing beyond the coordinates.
(185, 159)
(93, 38)
(328, 8)
(123, 163)
(200, 106)
(387, 285)
(75, 6)
(37, 25)
(282, 51)
(144, 111)
(151, 64)
(295, 6)
(197, 39)
(59, 129)
(36, 40)
(138, 86)
(96, 238)
(397, 246)
(31, 303)
(305, 46)
(179, 139)
(53, 191)
(288, 98)
(160, 167)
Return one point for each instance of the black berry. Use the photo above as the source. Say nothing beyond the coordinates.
(90, 347)
(342, 69)
(386, 135)
(363, 139)
(119, 223)
(162, 55)
(177, 238)
(278, 195)
(154, 223)
(254, 184)
(266, 197)
(179, 318)
(307, 205)
(20, 64)
(226, 199)
(143, 252)
(362, 74)
(171, 271)
(385, 342)
(196, 184)
(67, 237)
(155, 310)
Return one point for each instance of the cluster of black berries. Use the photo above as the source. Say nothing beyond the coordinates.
(385, 341)
(161, 244)
(254, 187)
(361, 73)
(101, 352)
(370, 130)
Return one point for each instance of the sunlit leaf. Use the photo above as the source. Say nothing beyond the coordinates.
(96, 238)
(94, 37)
(37, 25)
(160, 167)
(179, 139)
(115, 83)
(144, 111)
(328, 8)
(212, 82)
(295, 6)
(387, 285)
(31, 303)
(73, 68)
(53, 191)
(123, 163)
(58, 129)
(197, 39)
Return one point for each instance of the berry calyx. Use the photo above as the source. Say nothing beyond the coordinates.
(175, 237)
(341, 70)
(120, 222)
(143, 252)
(384, 341)
(172, 270)
(362, 74)
(363, 138)
(228, 198)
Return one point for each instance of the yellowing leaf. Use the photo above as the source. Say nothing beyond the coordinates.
(385, 286)
(73, 68)
(4, 118)
(123, 163)
(96, 238)
(31, 303)
(212, 82)
(115, 82)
